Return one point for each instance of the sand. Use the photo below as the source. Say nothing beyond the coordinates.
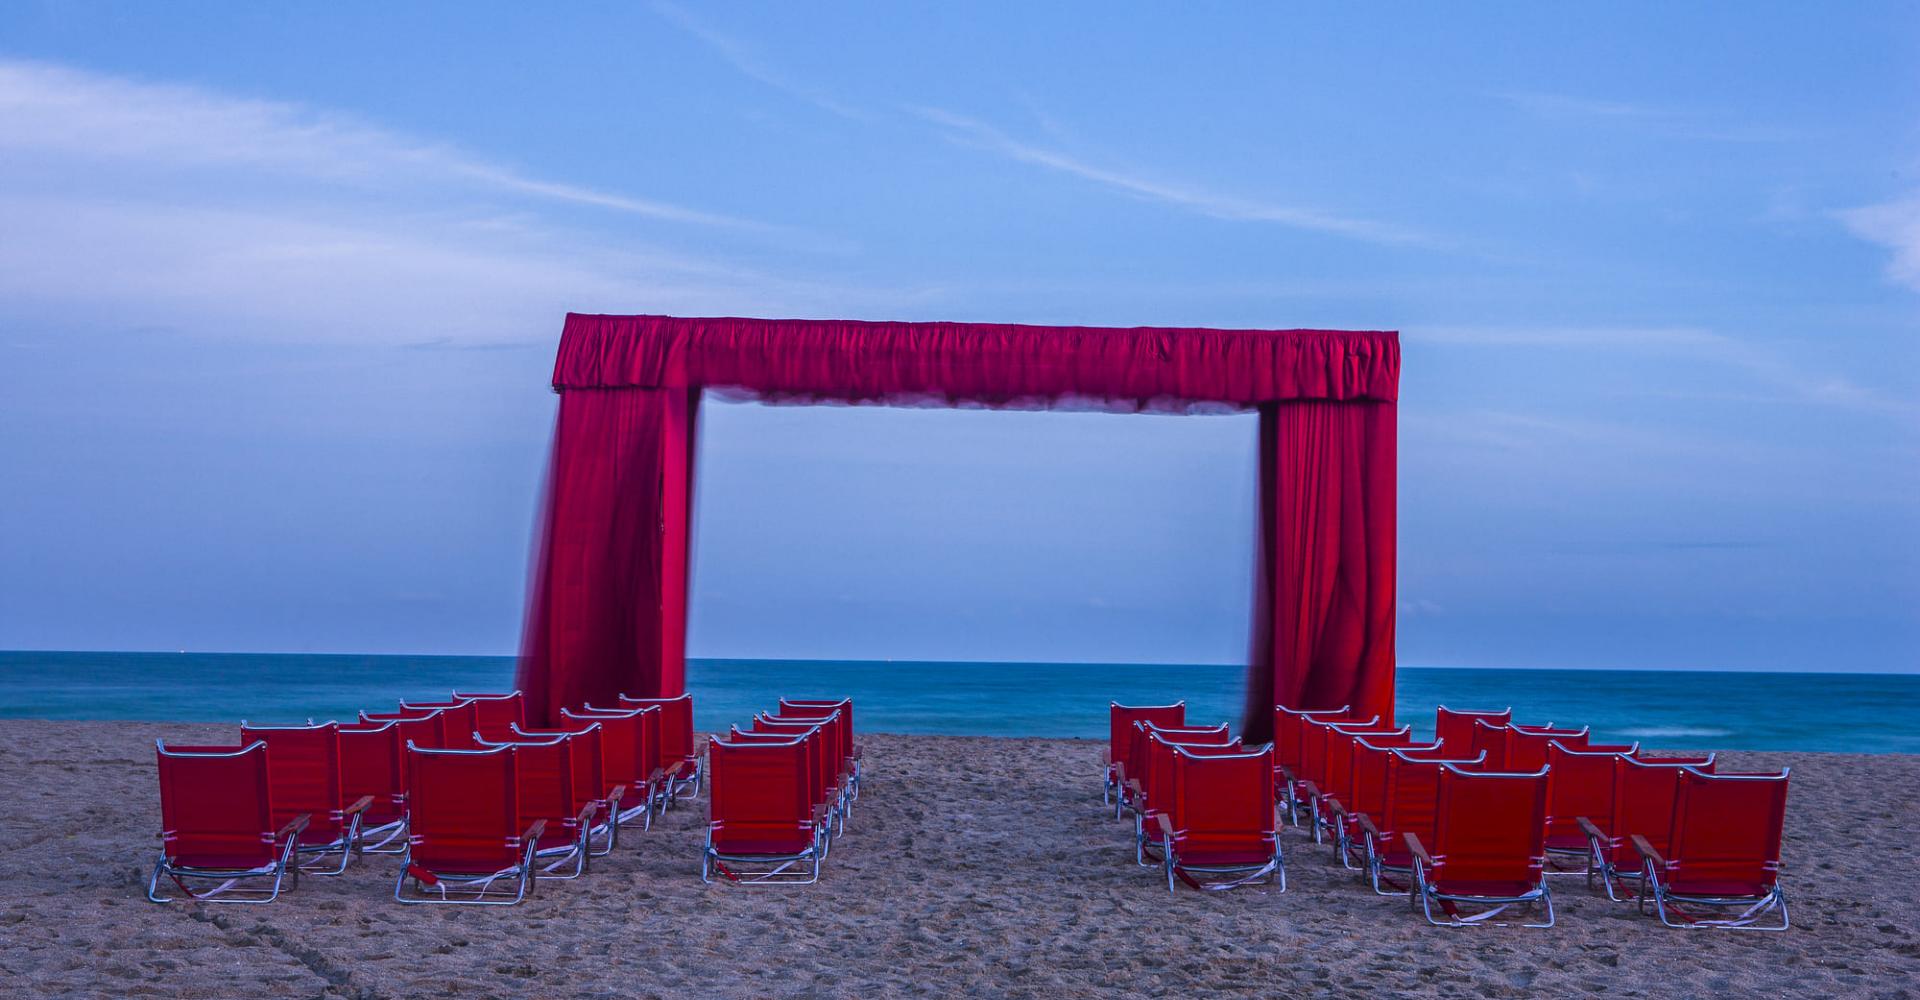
(972, 867)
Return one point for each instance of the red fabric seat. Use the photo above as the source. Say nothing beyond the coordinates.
(495, 715)
(679, 760)
(761, 810)
(464, 836)
(1723, 851)
(1453, 728)
(631, 754)
(546, 784)
(460, 721)
(1120, 742)
(1579, 787)
(217, 824)
(1410, 777)
(423, 728)
(303, 765)
(1488, 848)
(1220, 818)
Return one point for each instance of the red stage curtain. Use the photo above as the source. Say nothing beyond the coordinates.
(607, 606)
(608, 598)
(1323, 617)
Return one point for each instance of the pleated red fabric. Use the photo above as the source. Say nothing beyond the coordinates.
(608, 596)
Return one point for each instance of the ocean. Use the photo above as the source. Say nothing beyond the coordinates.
(1862, 713)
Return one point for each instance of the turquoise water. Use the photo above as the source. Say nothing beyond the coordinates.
(1876, 713)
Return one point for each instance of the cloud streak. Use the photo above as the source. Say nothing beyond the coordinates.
(973, 133)
(748, 63)
(1894, 225)
(56, 111)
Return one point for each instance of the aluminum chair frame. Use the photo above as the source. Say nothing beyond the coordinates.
(1667, 903)
(478, 885)
(1424, 894)
(277, 870)
(1273, 870)
(782, 872)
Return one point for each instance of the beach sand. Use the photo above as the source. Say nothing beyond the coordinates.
(971, 868)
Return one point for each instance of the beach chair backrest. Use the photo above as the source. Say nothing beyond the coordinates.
(464, 809)
(1726, 833)
(759, 794)
(1121, 731)
(495, 715)
(820, 709)
(629, 745)
(216, 805)
(1644, 790)
(1289, 731)
(1580, 783)
(823, 752)
(303, 765)
(1527, 746)
(1144, 730)
(545, 776)
(1316, 743)
(1222, 801)
(1454, 728)
(425, 728)
(1491, 740)
(676, 724)
(590, 777)
(459, 721)
(373, 762)
(811, 745)
(839, 732)
(1340, 754)
(1156, 773)
(1409, 801)
(1490, 829)
(1368, 785)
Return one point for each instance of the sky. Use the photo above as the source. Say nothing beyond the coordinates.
(280, 288)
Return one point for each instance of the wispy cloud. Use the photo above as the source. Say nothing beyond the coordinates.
(153, 204)
(977, 134)
(52, 110)
(1896, 226)
(742, 57)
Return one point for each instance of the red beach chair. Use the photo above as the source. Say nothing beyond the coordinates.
(1316, 739)
(631, 747)
(1152, 788)
(495, 715)
(547, 791)
(1120, 720)
(1644, 789)
(813, 746)
(1407, 806)
(1453, 728)
(1133, 772)
(1579, 787)
(1489, 848)
(1332, 803)
(1491, 741)
(794, 706)
(836, 770)
(761, 826)
(1221, 819)
(1723, 852)
(590, 781)
(1289, 730)
(373, 763)
(217, 824)
(679, 762)
(464, 834)
(303, 765)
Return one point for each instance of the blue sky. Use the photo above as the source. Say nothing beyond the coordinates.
(280, 287)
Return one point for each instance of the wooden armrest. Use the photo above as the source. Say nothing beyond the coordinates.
(1120, 771)
(1313, 790)
(586, 814)
(656, 777)
(534, 832)
(359, 806)
(1646, 851)
(1419, 850)
(1334, 804)
(1134, 783)
(1286, 772)
(1166, 827)
(1366, 825)
(616, 796)
(1587, 827)
(294, 827)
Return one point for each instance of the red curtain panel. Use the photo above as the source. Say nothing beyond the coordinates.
(608, 595)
